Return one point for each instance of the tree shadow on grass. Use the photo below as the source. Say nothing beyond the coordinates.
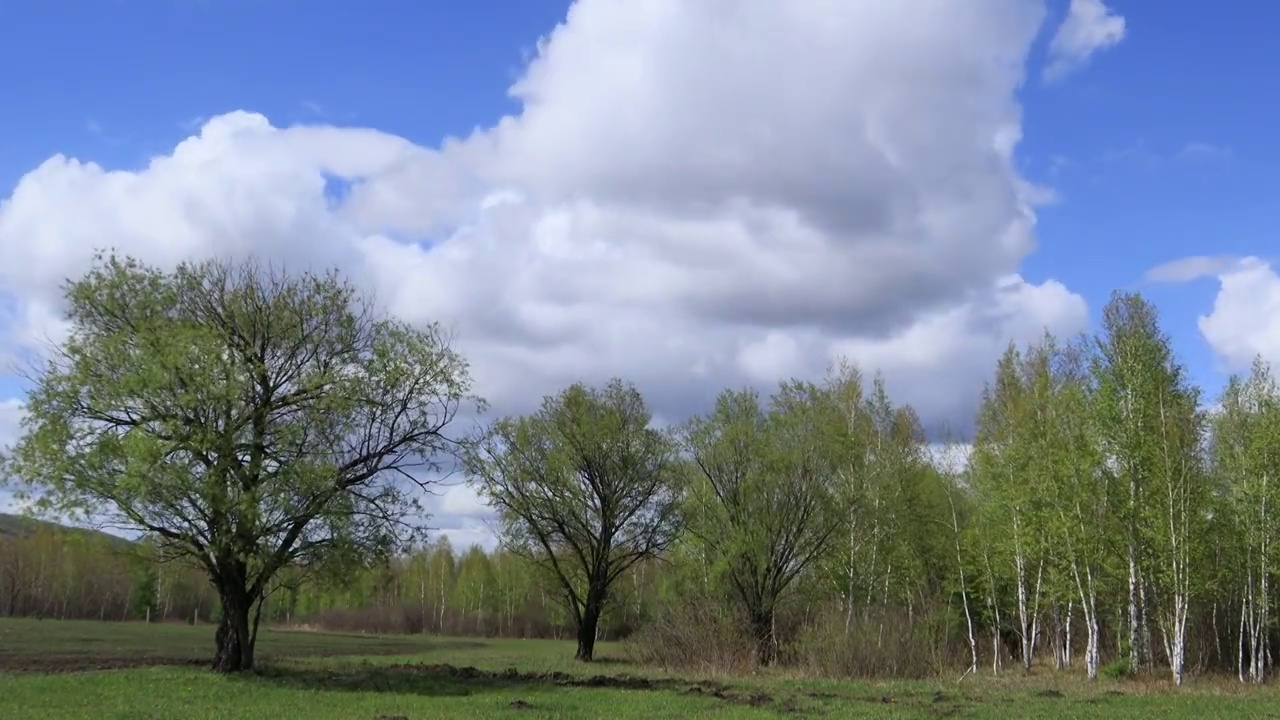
(450, 680)
(377, 645)
(103, 657)
(443, 680)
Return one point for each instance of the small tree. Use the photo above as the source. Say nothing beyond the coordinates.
(763, 502)
(247, 419)
(584, 488)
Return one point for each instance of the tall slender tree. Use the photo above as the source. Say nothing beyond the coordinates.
(1083, 518)
(1246, 450)
(1006, 473)
(1151, 432)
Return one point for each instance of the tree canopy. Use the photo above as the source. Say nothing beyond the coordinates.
(764, 499)
(585, 487)
(248, 418)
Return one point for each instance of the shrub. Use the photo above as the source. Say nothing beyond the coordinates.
(1118, 669)
(693, 636)
(886, 643)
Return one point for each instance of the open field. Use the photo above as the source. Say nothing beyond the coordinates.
(63, 669)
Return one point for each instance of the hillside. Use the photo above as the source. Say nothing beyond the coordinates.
(21, 526)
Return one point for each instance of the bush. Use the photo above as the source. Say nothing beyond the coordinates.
(1118, 669)
(693, 636)
(886, 643)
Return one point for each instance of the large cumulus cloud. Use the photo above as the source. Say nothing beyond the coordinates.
(694, 195)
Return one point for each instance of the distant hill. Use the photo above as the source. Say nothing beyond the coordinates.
(21, 526)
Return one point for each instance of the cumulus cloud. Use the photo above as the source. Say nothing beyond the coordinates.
(1245, 320)
(461, 515)
(1090, 27)
(692, 196)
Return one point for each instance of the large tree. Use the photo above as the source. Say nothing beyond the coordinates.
(764, 502)
(247, 418)
(584, 487)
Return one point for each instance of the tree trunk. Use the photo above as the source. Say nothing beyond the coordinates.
(587, 630)
(235, 637)
(1135, 616)
(762, 631)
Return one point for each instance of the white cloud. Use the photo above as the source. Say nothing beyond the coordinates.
(1191, 268)
(1245, 320)
(1196, 150)
(11, 413)
(1088, 28)
(458, 512)
(694, 196)
(949, 457)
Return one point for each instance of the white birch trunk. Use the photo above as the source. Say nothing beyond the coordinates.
(964, 588)
(1071, 606)
(995, 611)
(1089, 606)
(1135, 615)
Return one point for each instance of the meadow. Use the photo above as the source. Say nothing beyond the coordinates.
(85, 669)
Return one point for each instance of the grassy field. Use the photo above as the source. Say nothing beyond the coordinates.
(57, 669)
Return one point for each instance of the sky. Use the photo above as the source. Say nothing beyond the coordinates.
(689, 195)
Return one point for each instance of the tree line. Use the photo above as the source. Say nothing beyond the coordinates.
(270, 431)
(52, 572)
(1103, 509)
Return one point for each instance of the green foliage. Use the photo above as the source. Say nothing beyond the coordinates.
(247, 419)
(142, 602)
(1119, 669)
(585, 488)
(270, 431)
(763, 500)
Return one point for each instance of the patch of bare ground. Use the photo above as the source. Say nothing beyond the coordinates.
(86, 663)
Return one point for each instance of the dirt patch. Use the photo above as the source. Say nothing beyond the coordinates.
(88, 663)
(520, 705)
(1049, 694)
(512, 675)
(613, 682)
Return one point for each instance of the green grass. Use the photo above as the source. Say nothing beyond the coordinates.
(55, 669)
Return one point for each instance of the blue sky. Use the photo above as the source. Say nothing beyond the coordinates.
(118, 82)
(1157, 145)
(122, 80)
(1167, 142)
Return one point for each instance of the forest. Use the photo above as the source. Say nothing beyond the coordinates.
(1102, 516)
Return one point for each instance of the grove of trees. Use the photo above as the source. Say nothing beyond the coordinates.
(267, 433)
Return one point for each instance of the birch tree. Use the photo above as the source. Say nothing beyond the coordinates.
(1084, 507)
(1150, 430)
(1246, 450)
(1004, 472)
